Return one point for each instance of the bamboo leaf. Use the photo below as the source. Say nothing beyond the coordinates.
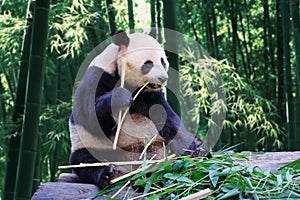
(213, 175)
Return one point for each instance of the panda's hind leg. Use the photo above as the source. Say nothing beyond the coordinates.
(99, 176)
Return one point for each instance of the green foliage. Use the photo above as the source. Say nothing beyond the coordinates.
(11, 30)
(68, 34)
(54, 120)
(226, 179)
(56, 141)
(246, 110)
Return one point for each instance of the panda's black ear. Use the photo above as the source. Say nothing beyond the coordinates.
(120, 38)
(153, 32)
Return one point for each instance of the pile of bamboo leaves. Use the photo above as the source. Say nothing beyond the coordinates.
(225, 178)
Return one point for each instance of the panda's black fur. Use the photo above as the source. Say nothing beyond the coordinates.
(92, 121)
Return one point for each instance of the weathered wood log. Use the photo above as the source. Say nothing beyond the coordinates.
(69, 188)
(75, 191)
(67, 191)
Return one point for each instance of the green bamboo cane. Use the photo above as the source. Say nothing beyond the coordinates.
(29, 138)
(290, 118)
(14, 141)
(170, 22)
(111, 16)
(152, 11)
(130, 16)
(294, 6)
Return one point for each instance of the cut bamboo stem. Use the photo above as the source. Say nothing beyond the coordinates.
(153, 192)
(138, 162)
(147, 146)
(140, 169)
(129, 174)
(139, 91)
(198, 195)
(122, 188)
(123, 69)
(121, 119)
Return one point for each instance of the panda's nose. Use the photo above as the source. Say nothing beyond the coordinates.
(162, 79)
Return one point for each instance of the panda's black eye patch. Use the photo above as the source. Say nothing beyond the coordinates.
(147, 66)
(163, 62)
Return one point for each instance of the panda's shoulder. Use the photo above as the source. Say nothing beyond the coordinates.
(106, 83)
(107, 60)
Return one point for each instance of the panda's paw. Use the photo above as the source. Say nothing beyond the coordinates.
(198, 149)
(105, 176)
(121, 99)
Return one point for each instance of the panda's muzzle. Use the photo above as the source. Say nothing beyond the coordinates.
(163, 79)
(155, 86)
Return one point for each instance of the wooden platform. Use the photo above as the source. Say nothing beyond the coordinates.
(68, 187)
(73, 191)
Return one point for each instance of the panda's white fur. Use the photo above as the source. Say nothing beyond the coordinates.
(107, 59)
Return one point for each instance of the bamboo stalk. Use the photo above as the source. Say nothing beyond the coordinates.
(121, 119)
(123, 69)
(139, 170)
(198, 195)
(147, 146)
(129, 174)
(122, 188)
(137, 162)
(153, 192)
(139, 91)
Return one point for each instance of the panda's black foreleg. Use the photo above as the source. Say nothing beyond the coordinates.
(99, 176)
(109, 105)
(178, 138)
(113, 102)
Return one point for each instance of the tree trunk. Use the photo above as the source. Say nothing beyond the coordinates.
(14, 141)
(234, 31)
(111, 16)
(158, 20)
(189, 15)
(130, 16)
(28, 149)
(287, 75)
(208, 28)
(215, 36)
(245, 45)
(2, 104)
(294, 6)
(152, 12)
(37, 172)
(279, 75)
(269, 62)
(170, 22)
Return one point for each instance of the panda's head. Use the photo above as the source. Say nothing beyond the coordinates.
(145, 60)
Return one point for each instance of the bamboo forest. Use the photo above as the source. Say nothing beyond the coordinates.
(236, 86)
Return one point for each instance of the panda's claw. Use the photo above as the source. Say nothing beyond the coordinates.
(121, 99)
(106, 175)
(198, 149)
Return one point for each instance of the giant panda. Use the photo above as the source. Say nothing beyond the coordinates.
(99, 98)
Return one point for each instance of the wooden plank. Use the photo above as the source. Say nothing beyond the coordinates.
(67, 191)
(74, 191)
